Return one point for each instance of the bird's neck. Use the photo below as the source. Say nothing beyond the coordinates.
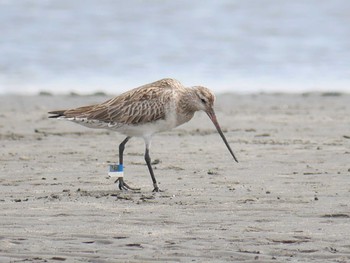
(185, 109)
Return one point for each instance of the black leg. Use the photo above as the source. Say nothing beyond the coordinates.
(121, 149)
(122, 184)
(148, 162)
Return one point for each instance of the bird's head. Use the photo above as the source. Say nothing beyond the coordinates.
(204, 100)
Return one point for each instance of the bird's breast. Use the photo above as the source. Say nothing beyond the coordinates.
(183, 118)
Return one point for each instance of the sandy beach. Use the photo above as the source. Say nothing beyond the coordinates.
(287, 200)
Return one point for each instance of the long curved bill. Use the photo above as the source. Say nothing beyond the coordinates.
(212, 116)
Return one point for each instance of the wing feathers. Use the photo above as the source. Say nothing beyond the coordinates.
(147, 103)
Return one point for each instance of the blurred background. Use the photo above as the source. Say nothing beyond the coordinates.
(240, 46)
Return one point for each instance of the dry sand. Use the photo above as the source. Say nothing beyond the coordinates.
(288, 200)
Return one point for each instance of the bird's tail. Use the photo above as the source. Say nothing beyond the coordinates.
(57, 114)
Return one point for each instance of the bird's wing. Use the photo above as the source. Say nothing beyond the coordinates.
(141, 105)
(129, 111)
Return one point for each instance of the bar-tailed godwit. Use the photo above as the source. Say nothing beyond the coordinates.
(144, 111)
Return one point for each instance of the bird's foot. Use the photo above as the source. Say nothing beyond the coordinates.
(125, 186)
(156, 188)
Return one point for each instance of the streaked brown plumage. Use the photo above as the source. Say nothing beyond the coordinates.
(144, 111)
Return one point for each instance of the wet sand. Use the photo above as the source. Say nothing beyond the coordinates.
(287, 200)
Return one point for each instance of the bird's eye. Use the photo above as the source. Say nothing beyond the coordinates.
(203, 100)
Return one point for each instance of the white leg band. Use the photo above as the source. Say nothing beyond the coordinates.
(116, 170)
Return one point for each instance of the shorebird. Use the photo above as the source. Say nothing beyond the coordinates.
(144, 111)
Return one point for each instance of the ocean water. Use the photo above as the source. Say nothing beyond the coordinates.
(228, 45)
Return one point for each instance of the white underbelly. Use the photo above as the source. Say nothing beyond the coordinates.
(140, 130)
(146, 129)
